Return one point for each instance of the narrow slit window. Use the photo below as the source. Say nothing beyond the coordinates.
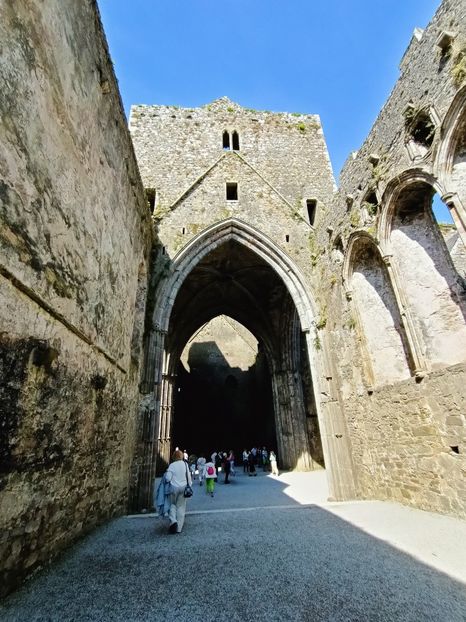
(150, 198)
(235, 141)
(287, 238)
(232, 191)
(226, 140)
(311, 205)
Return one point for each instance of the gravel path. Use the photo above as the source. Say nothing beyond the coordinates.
(264, 549)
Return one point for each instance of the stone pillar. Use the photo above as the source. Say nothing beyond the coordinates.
(458, 213)
(336, 442)
(290, 419)
(418, 361)
(166, 413)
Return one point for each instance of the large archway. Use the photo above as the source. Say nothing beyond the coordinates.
(231, 268)
(232, 279)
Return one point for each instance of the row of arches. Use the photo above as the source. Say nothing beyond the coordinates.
(408, 294)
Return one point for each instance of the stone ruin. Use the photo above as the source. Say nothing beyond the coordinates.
(216, 265)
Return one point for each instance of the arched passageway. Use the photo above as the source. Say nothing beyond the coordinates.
(223, 392)
(234, 270)
(215, 405)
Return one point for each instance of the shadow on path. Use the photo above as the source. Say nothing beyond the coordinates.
(262, 563)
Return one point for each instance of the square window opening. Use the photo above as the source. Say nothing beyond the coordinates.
(232, 191)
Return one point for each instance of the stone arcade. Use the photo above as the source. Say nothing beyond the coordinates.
(115, 264)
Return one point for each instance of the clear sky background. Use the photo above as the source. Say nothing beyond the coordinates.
(335, 58)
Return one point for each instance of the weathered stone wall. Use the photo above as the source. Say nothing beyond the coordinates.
(409, 437)
(75, 233)
(176, 146)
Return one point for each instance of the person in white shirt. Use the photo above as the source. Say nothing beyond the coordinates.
(201, 462)
(179, 476)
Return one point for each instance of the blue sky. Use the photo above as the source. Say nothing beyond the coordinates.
(335, 58)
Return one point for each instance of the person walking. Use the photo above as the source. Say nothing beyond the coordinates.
(210, 476)
(178, 476)
(201, 462)
(273, 463)
(226, 467)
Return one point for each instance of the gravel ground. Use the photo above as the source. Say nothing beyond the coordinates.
(287, 561)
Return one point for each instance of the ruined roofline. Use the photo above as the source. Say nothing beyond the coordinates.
(226, 105)
(418, 38)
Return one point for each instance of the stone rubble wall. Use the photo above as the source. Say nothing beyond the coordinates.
(175, 146)
(75, 235)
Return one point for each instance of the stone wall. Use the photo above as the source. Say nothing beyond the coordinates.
(75, 237)
(408, 437)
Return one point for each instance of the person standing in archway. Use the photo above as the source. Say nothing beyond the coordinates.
(226, 465)
(210, 476)
(179, 476)
(245, 461)
(273, 463)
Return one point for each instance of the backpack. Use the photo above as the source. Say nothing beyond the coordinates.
(210, 470)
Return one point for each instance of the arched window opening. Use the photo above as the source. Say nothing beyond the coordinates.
(384, 335)
(226, 140)
(338, 251)
(370, 205)
(235, 141)
(419, 130)
(432, 286)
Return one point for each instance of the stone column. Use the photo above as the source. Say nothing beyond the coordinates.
(458, 213)
(166, 411)
(290, 418)
(336, 442)
(417, 357)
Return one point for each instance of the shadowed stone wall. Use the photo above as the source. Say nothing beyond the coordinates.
(75, 234)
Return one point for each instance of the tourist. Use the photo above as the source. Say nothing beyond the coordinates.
(179, 477)
(231, 459)
(210, 478)
(201, 462)
(245, 461)
(273, 463)
(226, 466)
(192, 465)
(252, 465)
(264, 458)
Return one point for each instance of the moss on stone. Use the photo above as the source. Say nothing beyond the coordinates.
(458, 68)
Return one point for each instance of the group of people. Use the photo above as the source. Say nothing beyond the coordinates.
(256, 458)
(176, 484)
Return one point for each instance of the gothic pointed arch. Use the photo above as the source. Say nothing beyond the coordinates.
(214, 261)
(384, 346)
(430, 285)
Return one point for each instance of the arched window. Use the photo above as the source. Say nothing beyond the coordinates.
(235, 141)
(379, 315)
(230, 140)
(430, 281)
